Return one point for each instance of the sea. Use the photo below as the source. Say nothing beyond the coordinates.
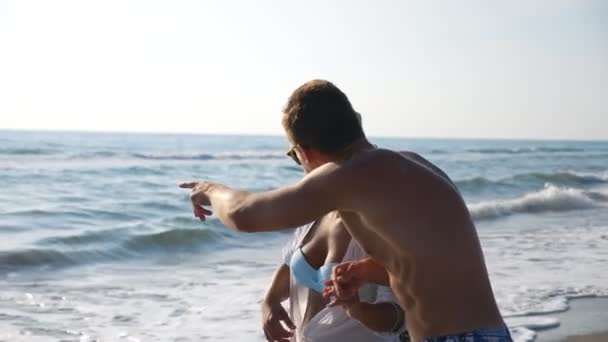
(98, 243)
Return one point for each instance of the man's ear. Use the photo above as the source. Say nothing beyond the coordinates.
(306, 154)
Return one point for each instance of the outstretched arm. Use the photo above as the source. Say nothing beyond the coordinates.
(320, 192)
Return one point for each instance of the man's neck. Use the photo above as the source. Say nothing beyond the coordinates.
(355, 148)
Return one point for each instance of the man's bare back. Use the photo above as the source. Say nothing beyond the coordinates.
(417, 226)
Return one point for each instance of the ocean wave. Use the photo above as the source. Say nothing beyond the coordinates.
(75, 213)
(25, 151)
(139, 170)
(71, 250)
(477, 183)
(525, 150)
(43, 257)
(245, 155)
(551, 198)
(85, 238)
(567, 177)
(533, 179)
(57, 258)
(173, 239)
(100, 160)
(95, 154)
(438, 151)
(10, 261)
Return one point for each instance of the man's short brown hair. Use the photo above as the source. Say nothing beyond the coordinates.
(319, 115)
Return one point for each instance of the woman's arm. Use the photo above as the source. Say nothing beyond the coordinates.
(371, 271)
(349, 276)
(381, 317)
(279, 286)
(273, 312)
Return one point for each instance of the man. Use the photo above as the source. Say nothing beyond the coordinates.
(404, 211)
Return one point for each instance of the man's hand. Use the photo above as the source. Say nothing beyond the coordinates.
(346, 279)
(199, 198)
(274, 330)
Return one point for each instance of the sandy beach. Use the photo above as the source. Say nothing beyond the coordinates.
(585, 321)
(601, 337)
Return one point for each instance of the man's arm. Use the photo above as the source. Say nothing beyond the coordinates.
(321, 191)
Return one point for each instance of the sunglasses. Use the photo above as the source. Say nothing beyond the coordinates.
(293, 155)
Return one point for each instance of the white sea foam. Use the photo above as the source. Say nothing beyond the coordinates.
(523, 329)
(551, 198)
(522, 334)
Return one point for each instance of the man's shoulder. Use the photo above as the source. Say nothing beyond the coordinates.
(371, 166)
(381, 160)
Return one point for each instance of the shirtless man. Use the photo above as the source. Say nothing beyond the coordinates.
(404, 211)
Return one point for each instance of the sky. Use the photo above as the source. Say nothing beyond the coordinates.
(466, 69)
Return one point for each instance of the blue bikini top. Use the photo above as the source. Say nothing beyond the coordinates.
(307, 275)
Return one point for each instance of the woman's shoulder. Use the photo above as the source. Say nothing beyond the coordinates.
(354, 251)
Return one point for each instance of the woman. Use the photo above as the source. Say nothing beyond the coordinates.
(308, 259)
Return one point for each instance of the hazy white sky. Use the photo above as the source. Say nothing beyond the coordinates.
(519, 68)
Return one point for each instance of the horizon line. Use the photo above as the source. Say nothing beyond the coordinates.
(102, 131)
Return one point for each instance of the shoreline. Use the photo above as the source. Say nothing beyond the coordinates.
(586, 320)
